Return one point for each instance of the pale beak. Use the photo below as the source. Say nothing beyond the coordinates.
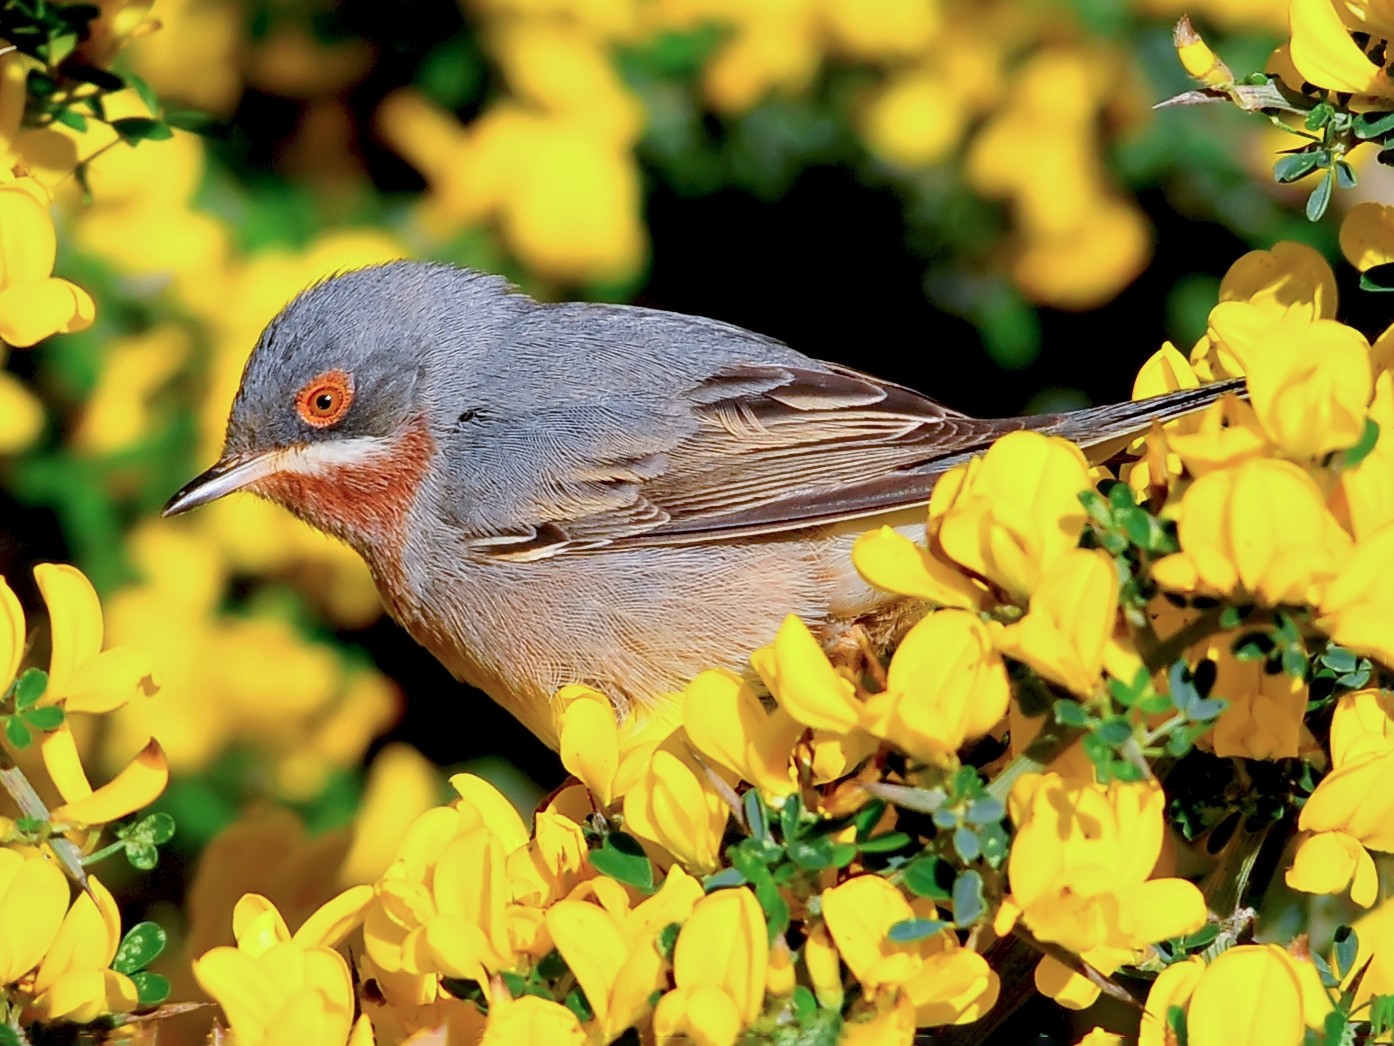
(227, 476)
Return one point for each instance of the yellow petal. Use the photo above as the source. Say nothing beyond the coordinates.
(1249, 996)
(257, 925)
(1324, 53)
(11, 634)
(1173, 987)
(724, 945)
(724, 718)
(704, 1016)
(593, 946)
(64, 765)
(32, 908)
(589, 740)
(75, 618)
(859, 912)
(87, 939)
(804, 682)
(135, 787)
(108, 681)
(1367, 235)
(889, 560)
(334, 920)
(495, 812)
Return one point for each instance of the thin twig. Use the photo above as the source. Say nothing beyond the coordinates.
(1106, 984)
(31, 805)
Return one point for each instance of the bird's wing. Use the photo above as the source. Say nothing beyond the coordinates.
(750, 450)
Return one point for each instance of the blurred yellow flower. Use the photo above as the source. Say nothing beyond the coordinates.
(719, 968)
(74, 982)
(914, 119)
(1367, 235)
(1259, 530)
(1069, 621)
(945, 685)
(888, 29)
(21, 413)
(33, 304)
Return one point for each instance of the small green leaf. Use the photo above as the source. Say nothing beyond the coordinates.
(880, 844)
(142, 856)
(29, 687)
(140, 947)
(805, 1004)
(985, 811)
(145, 91)
(578, 1004)
(668, 939)
(868, 816)
(155, 829)
(1176, 1024)
(757, 817)
(1297, 165)
(623, 859)
(50, 717)
(1373, 125)
(1345, 175)
(71, 118)
(194, 122)
(812, 854)
(968, 899)
(844, 854)
(1346, 946)
(1368, 439)
(790, 815)
(966, 844)
(1320, 198)
(16, 732)
(1070, 713)
(136, 129)
(929, 876)
(9, 1037)
(724, 879)
(1115, 731)
(909, 930)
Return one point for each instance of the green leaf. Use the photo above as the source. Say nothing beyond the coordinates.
(985, 811)
(50, 717)
(887, 843)
(136, 129)
(578, 1004)
(71, 118)
(9, 1037)
(1115, 731)
(805, 1004)
(1291, 168)
(1070, 713)
(1372, 125)
(1368, 439)
(29, 687)
(90, 74)
(1320, 198)
(1320, 116)
(813, 853)
(724, 879)
(145, 91)
(929, 876)
(1346, 946)
(623, 859)
(909, 930)
(965, 843)
(17, 733)
(142, 856)
(867, 817)
(1176, 1024)
(140, 947)
(968, 899)
(757, 817)
(195, 122)
(668, 939)
(1345, 175)
(155, 829)
(790, 815)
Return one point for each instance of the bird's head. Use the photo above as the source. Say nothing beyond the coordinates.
(333, 418)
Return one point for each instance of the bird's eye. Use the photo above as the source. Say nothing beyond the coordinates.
(324, 400)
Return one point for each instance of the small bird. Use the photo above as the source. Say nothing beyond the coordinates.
(582, 493)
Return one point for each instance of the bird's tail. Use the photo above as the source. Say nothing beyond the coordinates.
(1095, 426)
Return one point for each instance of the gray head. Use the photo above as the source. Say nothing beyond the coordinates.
(340, 377)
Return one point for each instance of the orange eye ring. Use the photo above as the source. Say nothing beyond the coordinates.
(324, 400)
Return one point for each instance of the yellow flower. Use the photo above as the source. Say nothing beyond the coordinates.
(1264, 716)
(914, 119)
(1367, 235)
(719, 968)
(21, 413)
(1173, 987)
(1080, 865)
(530, 1019)
(607, 756)
(33, 304)
(1259, 530)
(1368, 489)
(1332, 863)
(1226, 434)
(1325, 55)
(725, 720)
(82, 676)
(400, 785)
(804, 682)
(946, 983)
(1354, 609)
(139, 784)
(74, 981)
(33, 904)
(1166, 370)
(274, 987)
(889, 560)
(1251, 995)
(1017, 511)
(1200, 63)
(674, 805)
(945, 685)
(1310, 381)
(823, 966)
(1292, 278)
(1069, 622)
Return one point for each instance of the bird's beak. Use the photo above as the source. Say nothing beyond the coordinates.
(229, 475)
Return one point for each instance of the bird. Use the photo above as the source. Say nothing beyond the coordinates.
(609, 495)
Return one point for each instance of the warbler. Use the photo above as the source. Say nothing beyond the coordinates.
(583, 493)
